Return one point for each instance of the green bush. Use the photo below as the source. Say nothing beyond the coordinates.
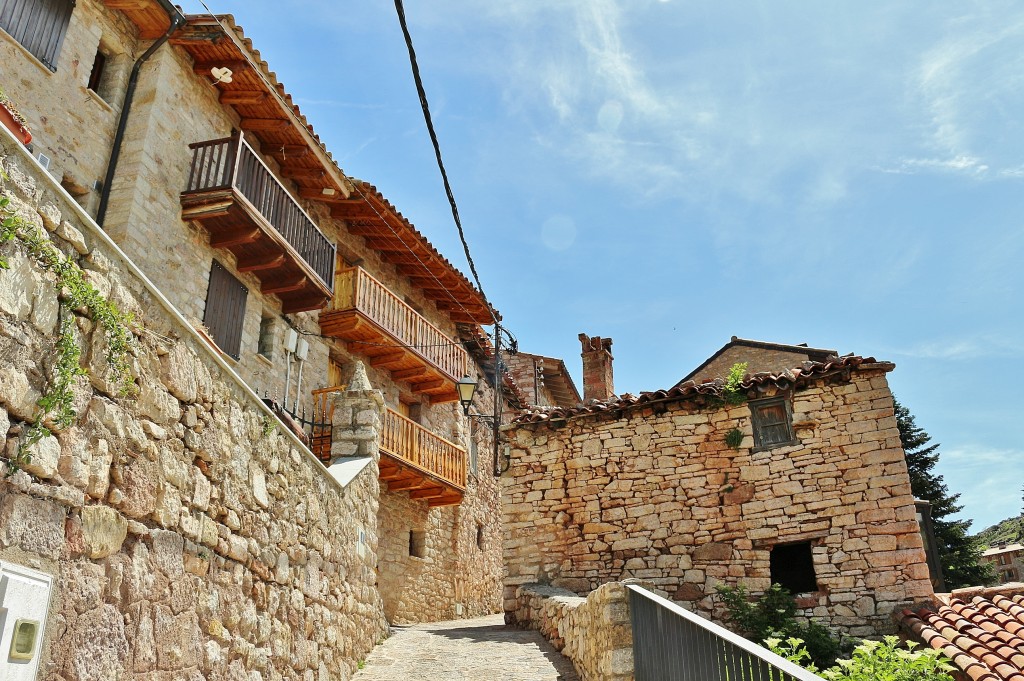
(873, 661)
(773, 616)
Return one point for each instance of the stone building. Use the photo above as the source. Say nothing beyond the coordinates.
(800, 481)
(1007, 560)
(544, 381)
(758, 356)
(292, 280)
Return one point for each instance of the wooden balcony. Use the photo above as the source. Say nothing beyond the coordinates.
(380, 325)
(412, 459)
(416, 461)
(247, 211)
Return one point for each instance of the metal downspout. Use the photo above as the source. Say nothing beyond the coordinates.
(177, 21)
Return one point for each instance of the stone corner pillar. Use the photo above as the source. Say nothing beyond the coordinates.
(357, 421)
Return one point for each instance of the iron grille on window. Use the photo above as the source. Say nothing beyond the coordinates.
(225, 310)
(772, 422)
(39, 25)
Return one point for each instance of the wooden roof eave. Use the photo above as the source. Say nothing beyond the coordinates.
(148, 15)
(206, 28)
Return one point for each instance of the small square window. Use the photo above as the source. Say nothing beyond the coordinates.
(417, 543)
(772, 423)
(792, 566)
(99, 64)
(265, 346)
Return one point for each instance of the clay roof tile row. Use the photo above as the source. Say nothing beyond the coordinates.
(981, 630)
(691, 390)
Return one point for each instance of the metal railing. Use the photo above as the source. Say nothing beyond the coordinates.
(356, 289)
(407, 440)
(671, 643)
(231, 163)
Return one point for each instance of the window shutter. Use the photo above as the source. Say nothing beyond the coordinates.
(39, 25)
(225, 310)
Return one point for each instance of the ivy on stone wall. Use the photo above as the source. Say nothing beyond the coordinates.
(56, 406)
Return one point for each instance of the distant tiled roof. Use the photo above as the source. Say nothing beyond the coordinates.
(981, 629)
(996, 550)
(552, 373)
(700, 392)
(479, 346)
(813, 354)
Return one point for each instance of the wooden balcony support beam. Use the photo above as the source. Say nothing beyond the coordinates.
(286, 286)
(388, 358)
(268, 263)
(428, 492)
(431, 384)
(229, 239)
(406, 484)
(408, 374)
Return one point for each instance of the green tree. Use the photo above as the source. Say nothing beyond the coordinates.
(959, 553)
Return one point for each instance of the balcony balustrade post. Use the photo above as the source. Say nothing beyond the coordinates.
(234, 154)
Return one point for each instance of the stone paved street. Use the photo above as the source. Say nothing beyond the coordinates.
(481, 649)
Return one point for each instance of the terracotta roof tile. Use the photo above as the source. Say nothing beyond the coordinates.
(701, 392)
(980, 629)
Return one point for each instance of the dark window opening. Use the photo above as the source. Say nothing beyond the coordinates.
(38, 25)
(479, 536)
(265, 346)
(792, 566)
(772, 422)
(225, 310)
(96, 75)
(417, 543)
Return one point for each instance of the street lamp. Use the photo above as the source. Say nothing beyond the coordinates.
(467, 386)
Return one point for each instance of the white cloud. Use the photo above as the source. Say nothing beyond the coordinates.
(974, 347)
(988, 479)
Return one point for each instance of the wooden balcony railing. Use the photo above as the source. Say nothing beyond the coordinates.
(248, 211)
(394, 336)
(409, 441)
(413, 459)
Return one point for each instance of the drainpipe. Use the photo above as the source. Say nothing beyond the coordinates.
(177, 21)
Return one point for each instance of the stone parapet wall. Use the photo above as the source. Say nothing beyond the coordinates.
(655, 493)
(593, 631)
(189, 536)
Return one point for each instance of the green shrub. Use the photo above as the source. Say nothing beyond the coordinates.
(773, 616)
(873, 661)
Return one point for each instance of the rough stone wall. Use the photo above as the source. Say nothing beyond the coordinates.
(656, 494)
(71, 124)
(757, 359)
(187, 538)
(418, 589)
(593, 631)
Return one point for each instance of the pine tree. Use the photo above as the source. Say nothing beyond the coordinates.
(959, 553)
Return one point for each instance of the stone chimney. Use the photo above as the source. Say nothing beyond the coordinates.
(597, 368)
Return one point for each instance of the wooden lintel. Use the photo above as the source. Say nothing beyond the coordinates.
(389, 358)
(285, 287)
(234, 238)
(256, 265)
(268, 124)
(242, 97)
(204, 68)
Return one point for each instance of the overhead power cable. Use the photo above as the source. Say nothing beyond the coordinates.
(437, 151)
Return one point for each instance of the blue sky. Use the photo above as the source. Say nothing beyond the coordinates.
(672, 173)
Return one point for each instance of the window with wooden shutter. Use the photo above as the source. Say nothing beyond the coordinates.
(225, 310)
(772, 423)
(39, 25)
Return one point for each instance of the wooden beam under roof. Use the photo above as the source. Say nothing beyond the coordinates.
(264, 124)
(314, 194)
(205, 68)
(242, 97)
(353, 208)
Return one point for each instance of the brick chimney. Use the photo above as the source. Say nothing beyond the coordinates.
(597, 368)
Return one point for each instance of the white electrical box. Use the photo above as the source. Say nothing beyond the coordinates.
(24, 603)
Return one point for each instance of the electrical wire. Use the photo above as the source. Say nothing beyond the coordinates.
(437, 152)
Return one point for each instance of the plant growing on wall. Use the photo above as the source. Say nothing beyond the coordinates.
(56, 406)
(734, 438)
(732, 390)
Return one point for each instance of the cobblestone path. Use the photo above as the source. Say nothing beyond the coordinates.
(481, 649)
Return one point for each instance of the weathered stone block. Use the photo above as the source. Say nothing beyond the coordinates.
(104, 530)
